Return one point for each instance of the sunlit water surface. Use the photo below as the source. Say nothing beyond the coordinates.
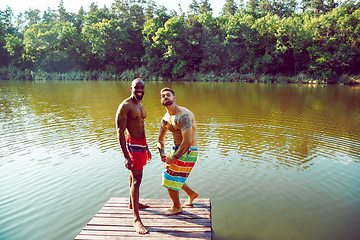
(277, 161)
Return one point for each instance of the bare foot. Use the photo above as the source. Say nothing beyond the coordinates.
(141, 205)
(140, 228)
(172, 211)
(192, 198)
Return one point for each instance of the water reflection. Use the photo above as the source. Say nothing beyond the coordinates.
(283, 126)
(279, 143)
(277, 125)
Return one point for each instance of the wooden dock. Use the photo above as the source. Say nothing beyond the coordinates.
(115, 219)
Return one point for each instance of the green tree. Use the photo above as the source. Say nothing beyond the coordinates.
(15, 48)
(239, 32)
(211, 44)
(318, 7)
(204, 7)
(121, 8)
(284, 8)
(41, 42)
(137, 12)
(4, 55)
(260, 42)
(63, 14)
(130, 11)
(150, 9)
(79, 20)
(96, 15)
(194, 7)
(6, 27)
(305, 5)
(112, 45)
(153, 52)
(6, 19)
(162, 10)
(253, 8)
(230, 8)
(171, 50)
(50, 15)
(32, 17)
(266, 6)
(335, 50)
(72, 42)
(294, 35)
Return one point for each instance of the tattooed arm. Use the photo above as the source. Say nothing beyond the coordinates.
(161, 144)
(184, 122)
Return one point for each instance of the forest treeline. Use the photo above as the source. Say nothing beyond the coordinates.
(262, 41)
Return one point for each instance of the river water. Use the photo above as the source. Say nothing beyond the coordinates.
(277, 161)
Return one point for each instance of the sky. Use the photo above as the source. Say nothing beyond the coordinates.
(20, 6)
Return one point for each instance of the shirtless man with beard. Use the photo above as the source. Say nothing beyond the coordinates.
(181, 122)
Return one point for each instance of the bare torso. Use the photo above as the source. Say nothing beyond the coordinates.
(135, 118)
(173, 125)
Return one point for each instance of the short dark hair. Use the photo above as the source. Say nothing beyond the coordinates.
(136, 81)
(167, 89)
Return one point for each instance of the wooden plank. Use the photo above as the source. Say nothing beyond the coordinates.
(154, 201)
(131, 228)
(115, 219)
(150, 216)
(150, 235)
(153, 234)
(151, 222)
(150, 211)
(157, 202)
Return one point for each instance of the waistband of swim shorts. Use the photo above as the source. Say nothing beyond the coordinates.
(136, 141)
(190, 148)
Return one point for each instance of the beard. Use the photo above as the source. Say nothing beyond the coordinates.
(138, 97)
(167, 102)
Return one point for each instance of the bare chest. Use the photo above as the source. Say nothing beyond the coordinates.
(137, 112)
(172, 124)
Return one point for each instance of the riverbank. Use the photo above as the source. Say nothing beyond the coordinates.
(11, 73)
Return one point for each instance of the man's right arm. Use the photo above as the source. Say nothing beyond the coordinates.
(121, 121)
(161, 140)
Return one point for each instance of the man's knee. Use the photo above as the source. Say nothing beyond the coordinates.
(136, 182)
(136, 177)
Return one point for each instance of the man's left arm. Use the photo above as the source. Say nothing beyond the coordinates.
(186, 133)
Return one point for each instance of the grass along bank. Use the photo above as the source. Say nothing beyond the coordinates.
(12, 73)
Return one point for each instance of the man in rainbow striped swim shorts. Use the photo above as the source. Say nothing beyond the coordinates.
(181, 122)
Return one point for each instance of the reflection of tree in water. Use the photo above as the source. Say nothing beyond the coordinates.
(273, 146)
(247, 124)
(283, 126)
(259, 145)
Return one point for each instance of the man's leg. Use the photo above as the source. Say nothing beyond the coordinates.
(176, 208)
(130, 183)
(134, 195)
(191, 193)
(141, 205)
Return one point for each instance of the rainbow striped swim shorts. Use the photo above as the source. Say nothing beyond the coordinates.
(176, 174)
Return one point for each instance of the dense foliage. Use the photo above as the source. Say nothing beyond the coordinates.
(315, 38)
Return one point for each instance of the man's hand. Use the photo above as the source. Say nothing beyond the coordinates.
(149, 156)
(163, 158)
(170, 160)
(128, 162)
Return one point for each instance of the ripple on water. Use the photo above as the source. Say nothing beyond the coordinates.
(275, 166)
(274, 146)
